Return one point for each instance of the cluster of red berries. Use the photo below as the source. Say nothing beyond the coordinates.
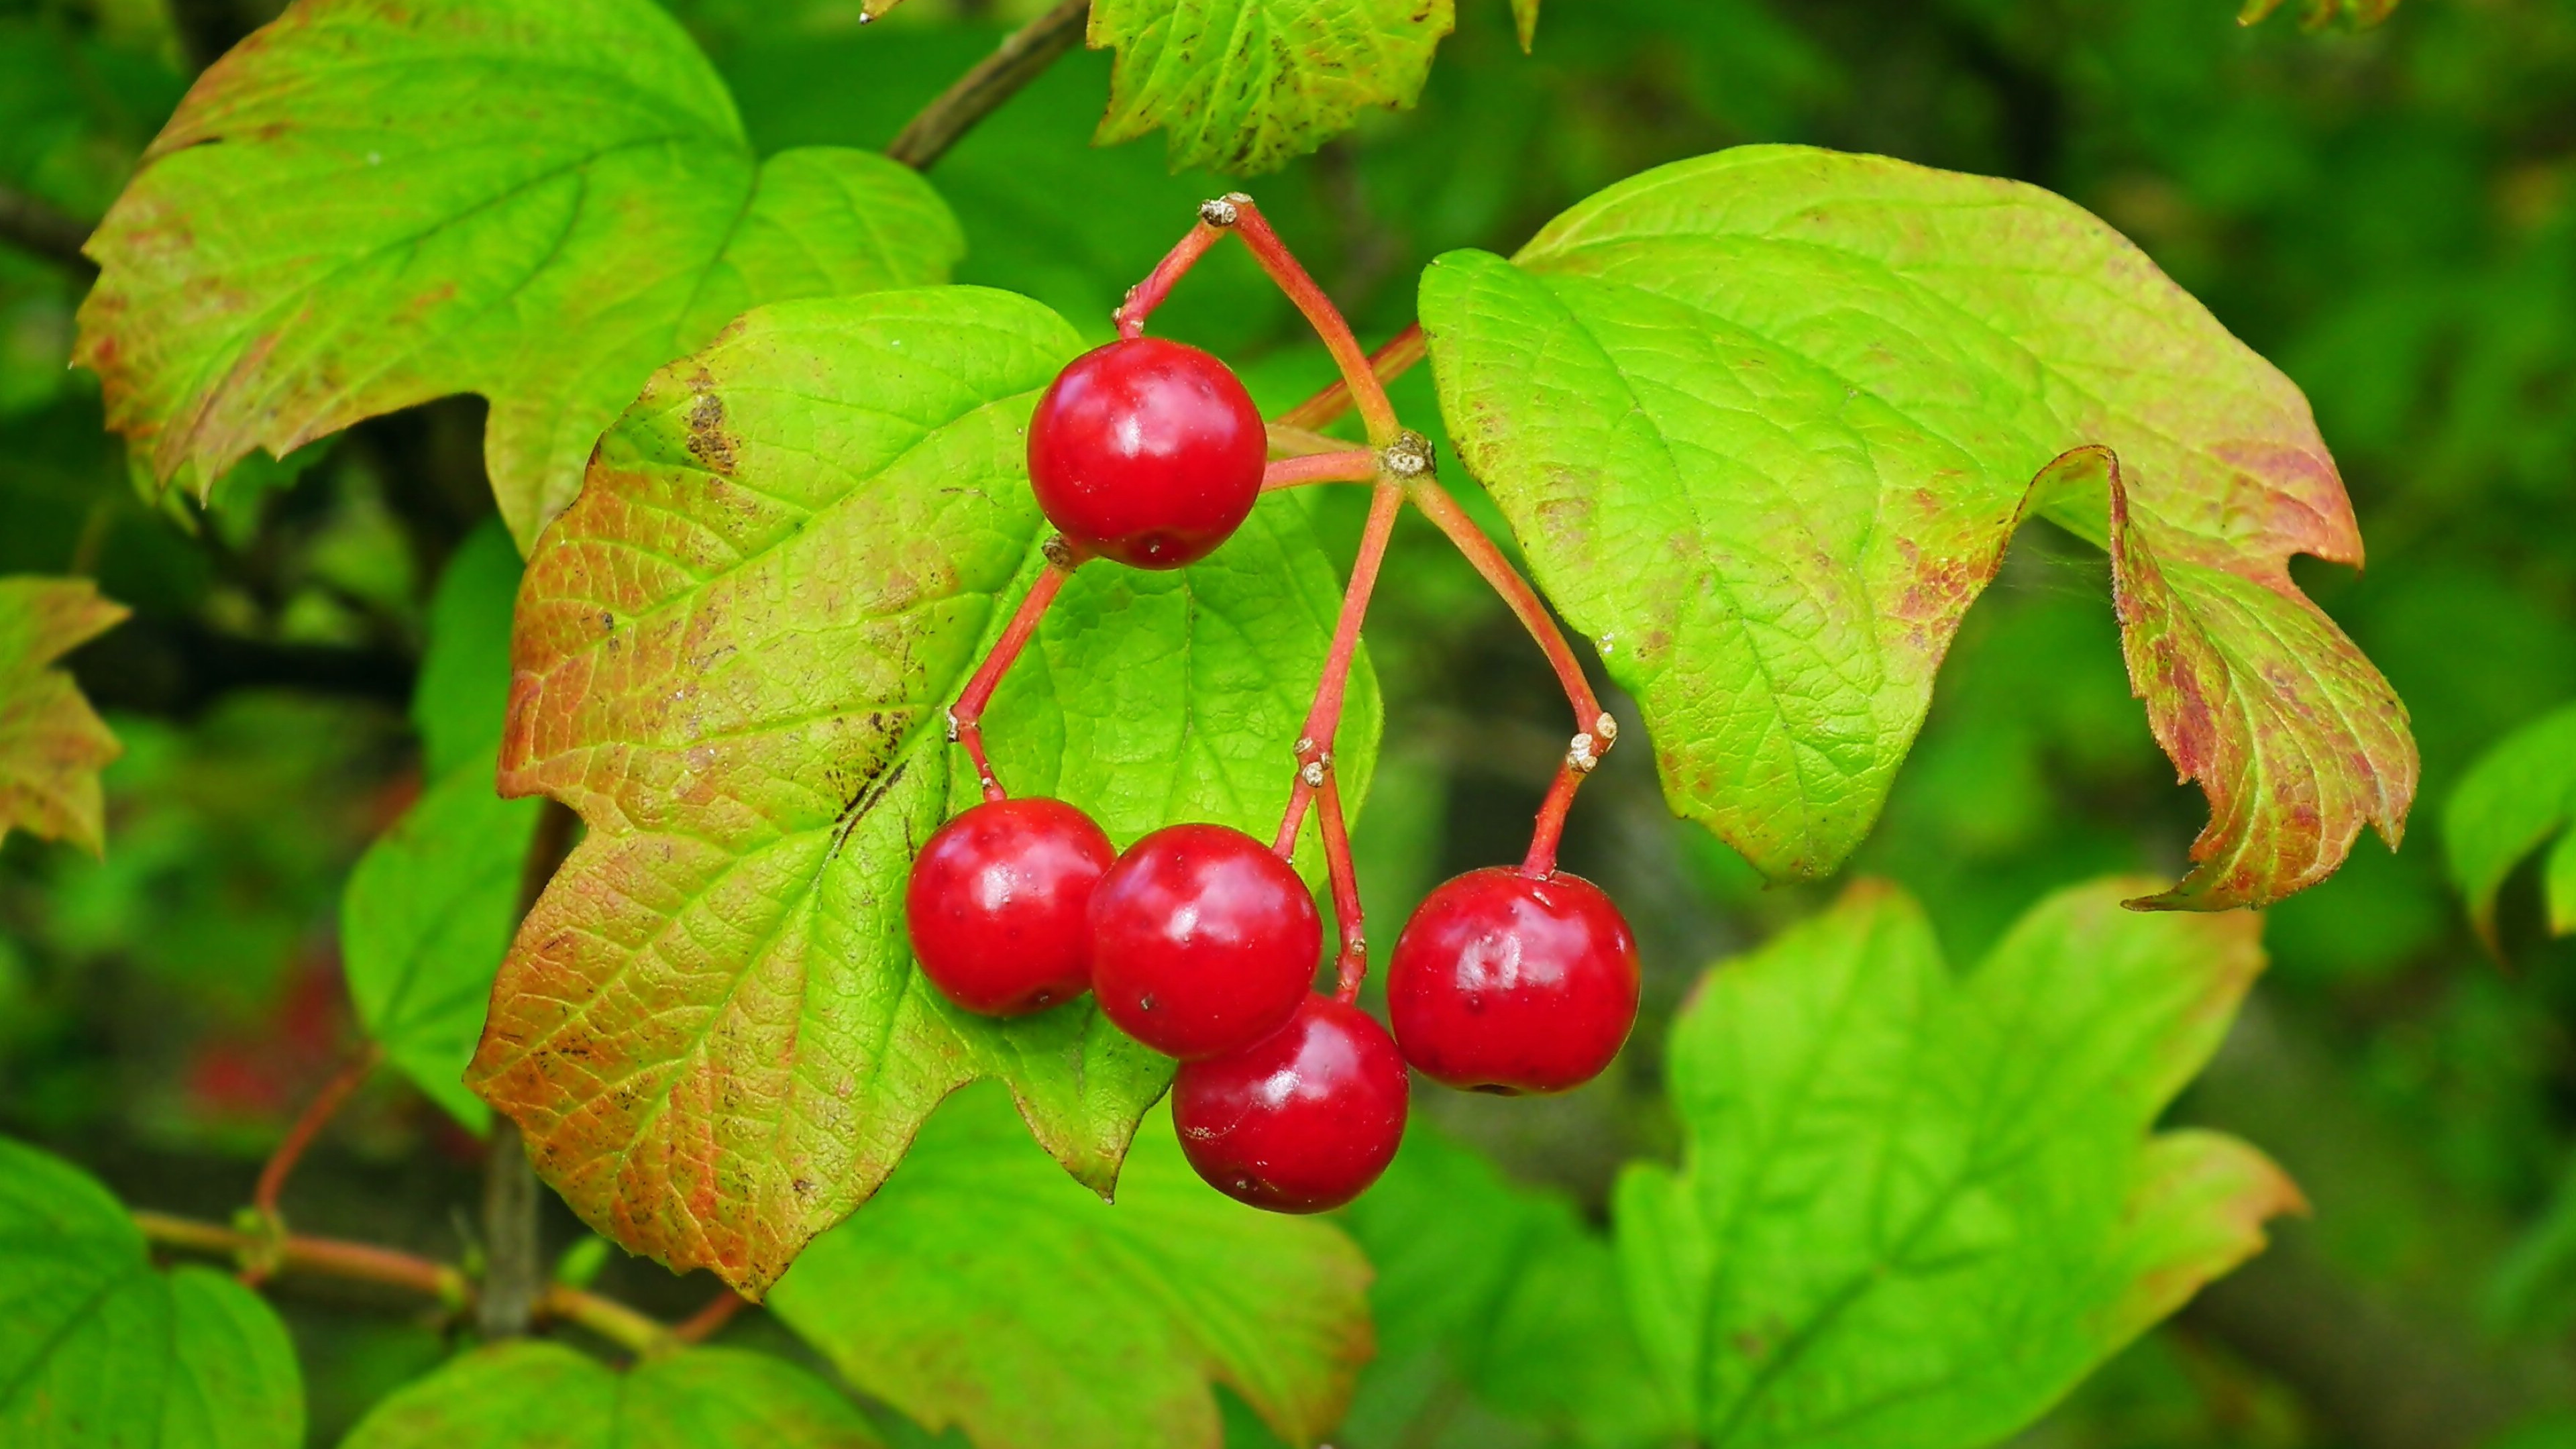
(1199, 940)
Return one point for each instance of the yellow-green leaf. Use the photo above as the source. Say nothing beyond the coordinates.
(52, 744)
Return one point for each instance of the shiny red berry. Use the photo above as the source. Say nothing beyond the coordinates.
(1202, 941)
(1507, 983)
(997, 904)
(1147, 451)
(1300, 1121)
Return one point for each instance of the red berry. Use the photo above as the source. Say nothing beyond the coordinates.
(1202, 941)
(997, 903)
(1507, 983)
(1300, 1121)
(1147, 451)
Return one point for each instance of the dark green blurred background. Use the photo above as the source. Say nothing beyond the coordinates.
(2390, 214)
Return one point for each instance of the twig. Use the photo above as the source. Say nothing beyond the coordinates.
(393, 1268)
(1350, 465)
(1324, 716)
(966, 717)
(1023, 56)
(514, 1270)
(36, 225)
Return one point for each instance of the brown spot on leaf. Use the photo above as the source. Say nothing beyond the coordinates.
(708, 441)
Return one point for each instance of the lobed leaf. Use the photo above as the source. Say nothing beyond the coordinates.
(52, 744)
(369, 204)
(527, 1393)
(733, 660)
(97, 1348)
(1244, 86)
(1765, 421)
(1503, 1290)
(2515, 799)
(983, 1290)
(1913, 1210)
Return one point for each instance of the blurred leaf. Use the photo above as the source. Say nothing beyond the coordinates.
(1504, 1288)
(98, 1350)
(534, 1395)
(52, 744)
(2518, 795)
(982, 1288)
(787, 558)
(1766, 420)
(1243, 86)
(2316, 14)
(1525, 21)
(463, 692)
(540, 202)
(428, 915)
(1913, 1210)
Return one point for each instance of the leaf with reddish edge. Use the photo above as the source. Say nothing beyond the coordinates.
(733, 656)
(1916, 1206)
(368, 204)
(1244, 86)
(52, 744)
(983, 1290)
(1765, 421)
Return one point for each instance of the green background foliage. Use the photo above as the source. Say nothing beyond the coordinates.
(2388, 214)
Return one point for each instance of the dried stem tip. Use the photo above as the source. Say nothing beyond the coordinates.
(1409, 456)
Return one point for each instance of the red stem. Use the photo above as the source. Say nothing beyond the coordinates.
(1386, 364)
(702, 1325)
(1324, 717)
(1541, 860)
(308, 1125)
(1148, 294)
(1346, 893)
(1376, 413)
(1355, 465)
(966, 717)
(1450, 519)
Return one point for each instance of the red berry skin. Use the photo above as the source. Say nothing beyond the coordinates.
(1147, 451)
(1202, 941)
(1301, 1121)
(998, 904)
(1506, 983)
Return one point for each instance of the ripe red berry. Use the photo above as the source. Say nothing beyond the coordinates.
(1147, 451)
(1507, 983)
(1302, 1120)
(1202, 941)
(997, 904)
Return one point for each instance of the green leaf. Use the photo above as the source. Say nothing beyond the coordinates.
(463, 692)
(52, 744)
(428, 914)
(1245, 86)
(100, 1351)
(2517, 796)
(982, 1289)
(369, 204)
(1914, 1210)
(1525, 21)
(535, 1395)
(733, 660)
(1765, 421)
(2317, 14)
(1503, 1289)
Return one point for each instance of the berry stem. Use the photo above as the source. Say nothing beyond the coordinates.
(1324, 717)
(1376, 413)
(1353, 961)
(966, 717)
(1445, 514)
(1148, 294)
(702, 1325)
(1352, 465)
(1386, 364)
(1541, 860)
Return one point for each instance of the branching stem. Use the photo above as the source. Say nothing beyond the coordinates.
(1324, 716)
(1353, 465)
(308, 1125)
(1352, 966)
